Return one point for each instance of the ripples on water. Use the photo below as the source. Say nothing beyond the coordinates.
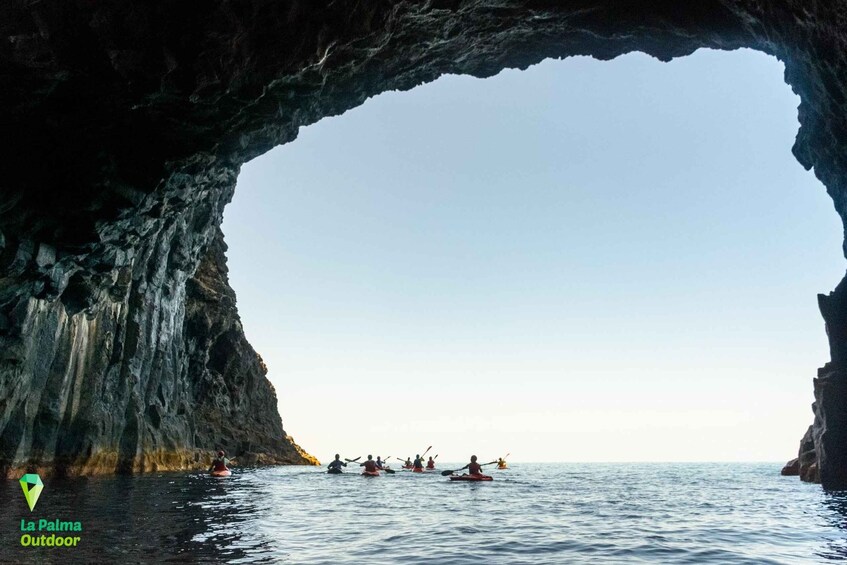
(531, 513)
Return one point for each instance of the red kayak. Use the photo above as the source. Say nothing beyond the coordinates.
(417, 470)
(470, 478)
(221, 473)
(370, 473)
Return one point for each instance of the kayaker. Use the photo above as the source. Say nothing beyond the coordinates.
(418, 464)
(370, 465)
(431, 463)
(220, 463)
(379, 462)
(407, 464)
(501, 463)
(473, 467)
(335, 466)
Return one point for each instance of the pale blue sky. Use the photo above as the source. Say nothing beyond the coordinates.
(584, 261)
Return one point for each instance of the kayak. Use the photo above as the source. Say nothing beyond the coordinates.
(334, 472)
(502, 468)
(470, 478)
(417, 470)
(221, 473)
(370, 473)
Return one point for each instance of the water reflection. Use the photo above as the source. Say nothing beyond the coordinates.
(166, 517)
(228, 512)
(836, 505)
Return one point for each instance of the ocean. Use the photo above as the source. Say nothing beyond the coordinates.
(531, 513)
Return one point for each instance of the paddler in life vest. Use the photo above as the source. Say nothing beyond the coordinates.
(430, 465)
(417, 466)
(407, 464)
(473, 467)
(370, 465)
(219, 463)
(379, 463)
(335, 466)
(501, 463)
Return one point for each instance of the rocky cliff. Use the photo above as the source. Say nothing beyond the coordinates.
(125, 124)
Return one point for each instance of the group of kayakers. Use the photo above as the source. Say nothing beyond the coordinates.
(373, 466)
(418, 464)
(380, 464)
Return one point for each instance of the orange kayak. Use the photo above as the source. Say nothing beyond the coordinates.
(221, 473)
(370, 473)
(470, 478)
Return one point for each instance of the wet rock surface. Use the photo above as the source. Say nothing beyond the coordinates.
(791, 469)
(125, 125)
(807, 460)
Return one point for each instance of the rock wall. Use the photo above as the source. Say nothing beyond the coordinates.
(125, 124)
(136, 361)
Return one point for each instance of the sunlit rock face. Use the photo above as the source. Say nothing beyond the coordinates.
(125, 124)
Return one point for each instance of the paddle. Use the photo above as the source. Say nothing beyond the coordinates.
(445, 473)
(386, 469)
(356, 460)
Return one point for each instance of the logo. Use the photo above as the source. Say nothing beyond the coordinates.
(32, 485)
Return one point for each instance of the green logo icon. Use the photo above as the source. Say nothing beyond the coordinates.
(32, 485)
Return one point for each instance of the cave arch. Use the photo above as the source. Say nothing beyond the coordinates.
(126, 127)
(351, 248)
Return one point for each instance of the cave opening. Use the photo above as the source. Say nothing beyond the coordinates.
(568, 291)
(594, 260)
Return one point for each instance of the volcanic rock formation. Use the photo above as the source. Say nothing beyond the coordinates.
(124, 125)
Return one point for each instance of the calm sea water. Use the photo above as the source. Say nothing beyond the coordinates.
(531, 513)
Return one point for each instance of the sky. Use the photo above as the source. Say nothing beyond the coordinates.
(583, 261)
